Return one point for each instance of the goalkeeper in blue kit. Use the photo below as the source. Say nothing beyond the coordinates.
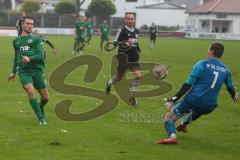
(203, 84)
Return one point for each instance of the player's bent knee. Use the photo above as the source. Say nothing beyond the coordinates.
(118, 77)
(30, 90)
(136, 73)
(171, 116)
(45, 98)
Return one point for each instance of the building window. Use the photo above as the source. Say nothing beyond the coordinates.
(131, 0)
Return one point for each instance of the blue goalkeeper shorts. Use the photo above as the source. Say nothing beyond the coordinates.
(184, 107)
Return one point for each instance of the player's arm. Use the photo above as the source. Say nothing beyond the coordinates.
(100, 30)
(138, 47)
(39, 52)
(75, 30)
(197, 70)
(231, 88)
(50, 45)
(118, 37)
(48, 42)
(14, 69)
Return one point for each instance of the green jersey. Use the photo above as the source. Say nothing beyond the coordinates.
(32, 47)
(80, 29)
(104, 28)
(89, 26)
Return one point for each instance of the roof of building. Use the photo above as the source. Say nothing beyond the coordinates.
(164, 5)
(218, 6)
(188, 3)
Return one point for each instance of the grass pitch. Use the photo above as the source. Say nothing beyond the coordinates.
(120, 134)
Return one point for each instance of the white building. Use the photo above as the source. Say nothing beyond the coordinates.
(48, 5)
(124, 6)
(163, 14)
(218, 19)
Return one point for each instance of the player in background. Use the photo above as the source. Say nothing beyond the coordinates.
(104, 33)
(127, 59)
(29, 64)
(44, 39)
(153, 30)
(19, 24)
(203, 84)
(89, 27)
(80, 33)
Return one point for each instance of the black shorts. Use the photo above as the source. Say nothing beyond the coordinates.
(153, 38)
(126, 62)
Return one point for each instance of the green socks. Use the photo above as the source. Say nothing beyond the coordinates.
(74, 46)
(36, 108)
(42, 104)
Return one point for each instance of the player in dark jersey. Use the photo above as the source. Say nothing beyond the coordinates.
(153, 30)
(127, 59)
(19, 24)
(203, 84)
(44, 39)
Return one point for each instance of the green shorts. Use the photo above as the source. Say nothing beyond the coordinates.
(80, 39)
(38, 79)
(89, 36)
(104, 38)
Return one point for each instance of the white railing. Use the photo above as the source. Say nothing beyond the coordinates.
(204, 35)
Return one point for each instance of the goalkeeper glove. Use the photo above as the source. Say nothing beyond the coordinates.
(234, 94)
(115, 43)
(235, 97)
(170, 101)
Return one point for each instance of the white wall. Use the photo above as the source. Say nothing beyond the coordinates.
(162, 17)
(236, 23)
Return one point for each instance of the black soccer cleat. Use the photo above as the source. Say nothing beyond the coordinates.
(133, 101)
(108, 88)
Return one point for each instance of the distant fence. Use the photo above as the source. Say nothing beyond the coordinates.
(52, 20)
(40, 20)
(11, 31)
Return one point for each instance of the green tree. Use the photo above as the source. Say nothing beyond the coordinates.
(30, 6)
(65, 8)
(102, 9)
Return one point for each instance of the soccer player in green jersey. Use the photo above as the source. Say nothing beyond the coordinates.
(89, 27)
(29, 64)
(104, 33)
(80, 33)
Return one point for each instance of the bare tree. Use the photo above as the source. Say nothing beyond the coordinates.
(78, 4)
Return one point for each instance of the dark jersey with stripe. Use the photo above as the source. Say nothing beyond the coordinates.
(130, 36)
(153, 32)
(19, 26)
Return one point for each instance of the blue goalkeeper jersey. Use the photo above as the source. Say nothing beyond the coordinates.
(207, 78)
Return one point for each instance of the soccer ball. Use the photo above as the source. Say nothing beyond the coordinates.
(160, 71)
